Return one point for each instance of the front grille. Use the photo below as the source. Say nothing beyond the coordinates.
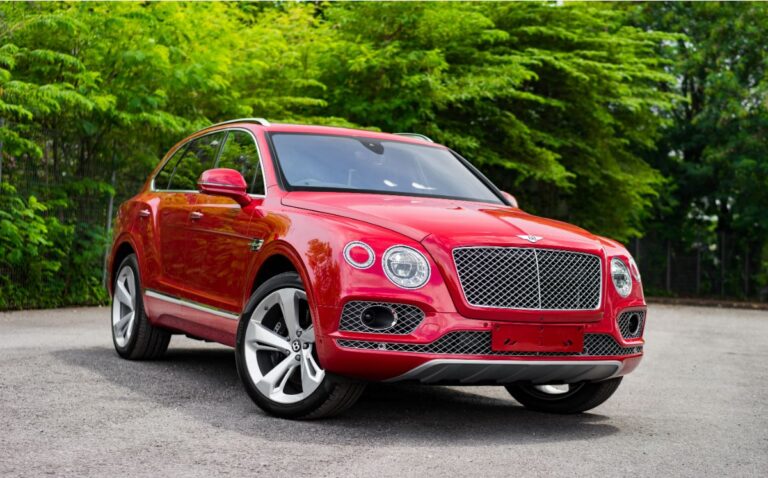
(626, 329)
(408, 318)
(529, 278)
(478, 342)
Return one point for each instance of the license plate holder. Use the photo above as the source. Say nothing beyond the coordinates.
(537, 338)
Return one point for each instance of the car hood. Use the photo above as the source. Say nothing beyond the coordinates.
(450, 222)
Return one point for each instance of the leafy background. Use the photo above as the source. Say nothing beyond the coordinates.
(644, 122)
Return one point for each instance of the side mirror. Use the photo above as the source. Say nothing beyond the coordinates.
(510, 198)
(224, 182)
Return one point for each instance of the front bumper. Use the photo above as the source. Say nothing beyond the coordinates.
(449, 348)
(474, 372)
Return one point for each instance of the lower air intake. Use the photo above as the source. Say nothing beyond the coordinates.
(473, 342)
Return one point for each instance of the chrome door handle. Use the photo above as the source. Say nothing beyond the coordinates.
(196, 215)
(144, 213)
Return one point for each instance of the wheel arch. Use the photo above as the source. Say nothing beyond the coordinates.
(275, 259)
(123, 249)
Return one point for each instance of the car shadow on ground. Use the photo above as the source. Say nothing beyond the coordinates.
(203, 384)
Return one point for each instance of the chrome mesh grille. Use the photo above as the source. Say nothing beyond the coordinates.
(624, 325)
(529, 278)
(478, 342)
(408, 318)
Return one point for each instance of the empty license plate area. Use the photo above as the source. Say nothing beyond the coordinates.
(537, 338)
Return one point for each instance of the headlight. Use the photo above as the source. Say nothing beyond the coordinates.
(622, 280)
(406, 267)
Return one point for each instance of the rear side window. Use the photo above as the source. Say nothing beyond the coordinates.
(240, 154)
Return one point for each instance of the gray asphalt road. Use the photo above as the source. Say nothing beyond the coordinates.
(69, 407)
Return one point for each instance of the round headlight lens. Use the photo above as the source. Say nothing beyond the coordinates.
(622, 280)
(406, 267)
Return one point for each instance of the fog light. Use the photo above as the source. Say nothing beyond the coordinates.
(378, 317)
(633, 325)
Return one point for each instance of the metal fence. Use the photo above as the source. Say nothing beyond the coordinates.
(725, 269)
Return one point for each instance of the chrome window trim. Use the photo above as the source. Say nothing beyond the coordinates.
(216, 162)
(466, 300)
(191, 304)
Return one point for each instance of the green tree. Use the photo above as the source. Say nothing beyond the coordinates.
(555, 102)
(715, 145)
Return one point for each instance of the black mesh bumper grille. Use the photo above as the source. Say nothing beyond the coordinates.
(472, 342)
(625, 324)
(408, 318)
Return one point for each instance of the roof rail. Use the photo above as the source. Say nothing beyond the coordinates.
(416, 135)
(260, 121)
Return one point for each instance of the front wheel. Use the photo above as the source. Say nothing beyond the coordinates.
(566, 398)
(277, 359)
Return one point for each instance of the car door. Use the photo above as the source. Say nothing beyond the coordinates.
(228, 231)
(172, 201)
(184, 250)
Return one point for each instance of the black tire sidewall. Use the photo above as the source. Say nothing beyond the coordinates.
(293, 410)
(589, 396)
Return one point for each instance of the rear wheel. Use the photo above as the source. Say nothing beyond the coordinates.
(566, 398)
(277, 359)
(132, 334)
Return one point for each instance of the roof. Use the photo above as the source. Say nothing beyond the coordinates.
(328, 130)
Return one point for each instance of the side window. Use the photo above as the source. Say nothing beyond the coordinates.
(198, 157)
(240, 154)
(164, 176)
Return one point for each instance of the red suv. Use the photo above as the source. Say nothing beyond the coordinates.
(329, 257)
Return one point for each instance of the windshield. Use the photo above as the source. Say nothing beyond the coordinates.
(314, 161)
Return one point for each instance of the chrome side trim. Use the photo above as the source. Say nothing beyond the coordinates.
(508, 371)
(191, 304)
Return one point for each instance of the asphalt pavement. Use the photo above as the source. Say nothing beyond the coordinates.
(697, 406)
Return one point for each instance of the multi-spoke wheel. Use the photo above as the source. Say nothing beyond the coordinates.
(564, 398)
(134, 337)
(277, 359)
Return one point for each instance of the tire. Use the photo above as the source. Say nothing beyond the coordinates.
(579, 397)
(277, 360)
(132, 334)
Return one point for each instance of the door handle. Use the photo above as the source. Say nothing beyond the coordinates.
(144, 213)
(196, 215)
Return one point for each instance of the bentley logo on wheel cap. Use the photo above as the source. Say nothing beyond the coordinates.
(296, 346)
(530, 237)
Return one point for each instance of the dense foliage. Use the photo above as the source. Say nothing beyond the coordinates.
(715, 149)
(577, 109)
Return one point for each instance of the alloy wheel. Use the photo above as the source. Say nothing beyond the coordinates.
(280, 353)
(124, 306)
(555, 392)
